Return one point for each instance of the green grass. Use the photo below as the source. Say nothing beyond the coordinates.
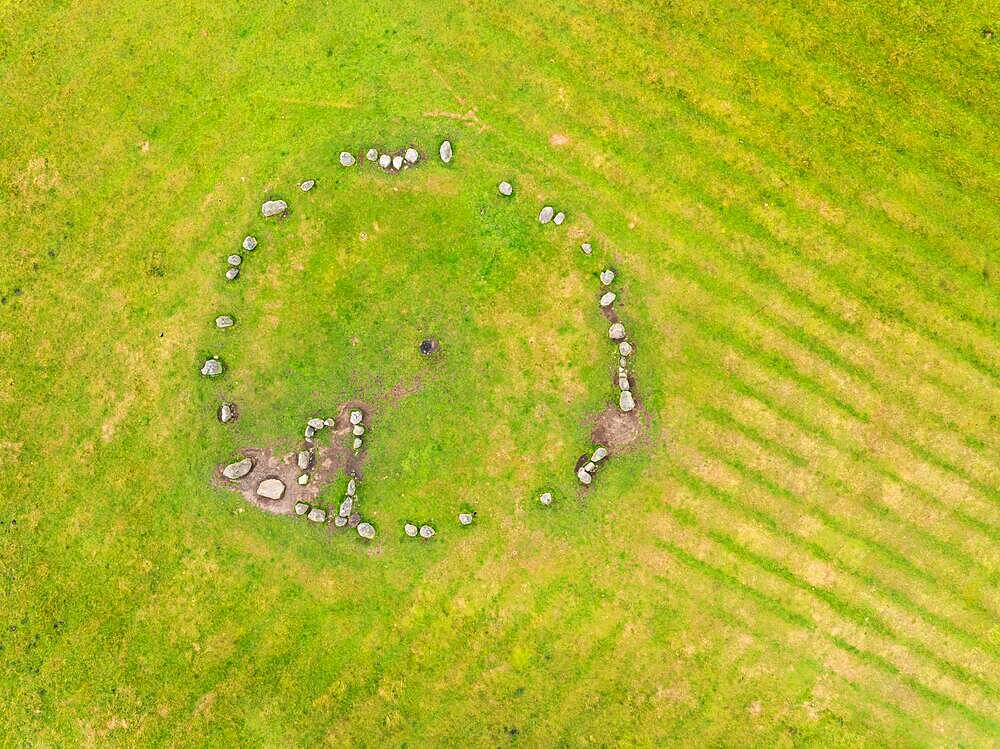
(801, 204)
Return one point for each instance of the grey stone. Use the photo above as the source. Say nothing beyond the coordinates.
(303, 479)
(586, 248)
(599, 454)
(585, 478)
(317, 515)
(273, 208)
(411, 155)
(506, 189)
(410, 529)
(446, 151)
(249, 243)
(385, 161)
(346, 507)
(357, 430)
(357, 443)
(309, 432)
(622, 363)
(546, 499)
(238, 470)
(625, 348)
(339, 521)
(623, 383)
(329, 422)
(316, 423)
(227, 412)
(426, 531)
(301, 508)
(234, 260)
(397, 162)
(356, 417)
(346, 159)
(465, 518)
(616, 331)
(372, 154)
(625, 401)
(608, 299)
(366, 531)
(353, 520)
(212, 368)
(224, 321)
(271, 489)
(308, 185)
(589, 468)
(352, 487)
(559, 218)
(607, 276)
(232, 273)
(545, 215)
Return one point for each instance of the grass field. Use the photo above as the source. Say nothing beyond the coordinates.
(802, 204)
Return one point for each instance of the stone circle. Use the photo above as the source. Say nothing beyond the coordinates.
(238, 470)
(271, 489)
(273, 208)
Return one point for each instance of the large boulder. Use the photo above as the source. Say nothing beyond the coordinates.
(385, 161)
(317, 515)
(237, 470)
(586, 248)
(357, 443)
(616, 331)
(445, 151)
(372, 154)
(346, 159)
(366, 531)
(357, 430)
(211, 368)
(339, 521)
(625, 401)
(356, 416)
(224, 321)
(584, 476)
(397, 162)
(623, 383)
(271, 489)
(545, 215)
(352, 487)
(273, 208)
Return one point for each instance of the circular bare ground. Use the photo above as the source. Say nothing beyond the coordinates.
(616, 430)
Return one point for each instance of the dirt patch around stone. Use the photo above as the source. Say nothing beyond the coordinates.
(619, 431)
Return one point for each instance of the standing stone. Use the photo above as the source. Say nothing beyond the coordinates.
(384, 160)
(625, 401)
(559, 218)
(249, 243)
(339, 521)
(356, 417)
(238, 470)
(346, 507)
(546, 499)
(585, 478)
(227, 413)
(351, 487)
(308, 185)
(586, 248)
(624, 348)
(608, 299)
(411, 155)
(271, 489)
(623, 383)
(445, 151)
(599, 454)
(232, 273)
(366, 531)
(273, 208)
(397, 162)
(303, 479)
(304, 459)
(545, 215)
(410, 529)
(234, 260)
(465, 518)
(607, 276)
(372, 154)
(301, 508)
(616, 331)
(357, 443)
(506, 189)
(224, 321)
(426, 531)
(346, 159)
(317, 515)
(212, 368)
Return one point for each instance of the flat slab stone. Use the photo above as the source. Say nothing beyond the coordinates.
(224, 321)
(366, 531)
(303, 479)
(352, 487)
(625, 401)
(237, 470)
(273, 208)
(559, 218)
(465, 518)
(346, 158)
(271, 489)
(304, 459)
(623, 383)
(211, 368)
(317, 515)
(446, 152)
(545, 215)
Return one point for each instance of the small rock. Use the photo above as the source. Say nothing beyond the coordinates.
(445, 151)
(357, 430)
(234, 260)
(411, 155)
(310, 430)
(506, 189)
(546, 499)
(329, 422)
(372, 154)
(621, 371)
(316, 423)
(589, 468)
(232, 273)
(586, 248)
(227, 413)
(308, 185)
(301, 508)
(426, 531)
(357, 443)
(238, 470)
(599, 454)
(317, 515)
(545, 215)
(625, 401)
(410, 529)
(385, 160)
(339, 521)
(623, 383)
(607, 276)
(465, 518)
(273, 208)
(271, 489)
(356, 417)
(303, 479)
(212, 368)
(352, 487)
(346, 159)
(616, 331)
(345, 507)
(585, 478)
(366, 530)
(559, 218)
(608, 299)
(249, 243)
(625, 348)
(622, 363)
(397, 162)
(224, 321)
(353, 520)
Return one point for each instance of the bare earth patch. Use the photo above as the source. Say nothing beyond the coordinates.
(616, 430)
